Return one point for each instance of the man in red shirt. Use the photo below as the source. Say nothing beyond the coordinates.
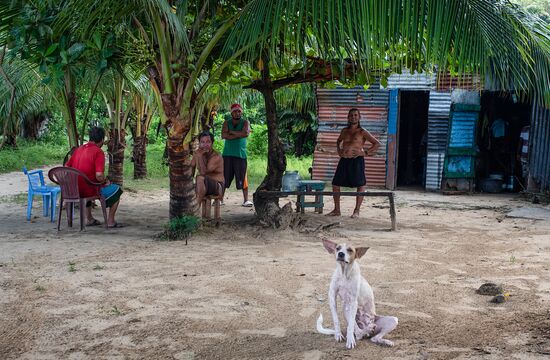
(90, 159)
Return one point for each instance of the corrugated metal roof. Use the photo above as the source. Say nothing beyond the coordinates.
(408, 81)
(463, 129)
(434, 170)
(353, 97)
(539, 147)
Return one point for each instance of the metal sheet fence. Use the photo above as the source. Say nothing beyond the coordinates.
(333, 106)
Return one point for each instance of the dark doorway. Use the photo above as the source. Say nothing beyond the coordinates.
(501, 120)
(412, 137)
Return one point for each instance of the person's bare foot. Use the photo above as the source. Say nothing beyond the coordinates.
(355, 214)
(334, 213)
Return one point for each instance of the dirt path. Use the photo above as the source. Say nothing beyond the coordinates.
(243, 292)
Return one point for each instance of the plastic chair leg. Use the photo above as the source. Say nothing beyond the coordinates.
(45, 204)
(70, 211)
(53, 204)
(82, 215)
(29, 206)
(59, 215)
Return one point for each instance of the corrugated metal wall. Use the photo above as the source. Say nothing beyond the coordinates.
(332, 111)
(438, 125)
(539, 147)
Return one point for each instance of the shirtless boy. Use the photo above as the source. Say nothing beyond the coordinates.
(351, 167)
(209, 163)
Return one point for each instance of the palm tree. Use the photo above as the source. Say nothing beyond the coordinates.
(22, 99)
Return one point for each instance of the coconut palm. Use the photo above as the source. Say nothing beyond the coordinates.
(180, 41)
(22, 99)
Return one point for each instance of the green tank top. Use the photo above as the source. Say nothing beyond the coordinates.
(235, 147)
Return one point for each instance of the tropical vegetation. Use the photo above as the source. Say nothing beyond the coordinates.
(181, 61)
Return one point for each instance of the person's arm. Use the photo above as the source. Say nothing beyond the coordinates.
(232, 134)
(100, 169)
(214, 166)
(375, 144)
(200, 161)
(244, 132)
(339, 150)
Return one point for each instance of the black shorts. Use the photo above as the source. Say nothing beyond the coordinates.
(234, 167)
(350, 172)
(213, 187)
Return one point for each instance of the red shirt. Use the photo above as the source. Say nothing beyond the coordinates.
(88, 158)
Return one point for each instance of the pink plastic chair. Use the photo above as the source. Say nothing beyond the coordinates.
(67, 179)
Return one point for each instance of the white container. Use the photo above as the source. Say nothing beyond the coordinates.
(290, 181)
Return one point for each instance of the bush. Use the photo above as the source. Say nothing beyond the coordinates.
(180, 228)
(257, 141)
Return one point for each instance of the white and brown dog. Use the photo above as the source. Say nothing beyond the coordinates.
(357, 297)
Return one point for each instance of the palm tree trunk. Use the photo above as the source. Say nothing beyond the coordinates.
(267, 208)
(182, 190)
(140, 156)
(116, 146)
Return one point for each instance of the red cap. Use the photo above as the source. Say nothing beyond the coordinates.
(235, 107)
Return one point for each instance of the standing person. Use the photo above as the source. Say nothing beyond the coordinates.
(90, 159)
(209, 180)
(235, 132)
(350, 171)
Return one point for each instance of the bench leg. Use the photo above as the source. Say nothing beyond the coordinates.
(217, 215)
(392, 212)
(207, 209)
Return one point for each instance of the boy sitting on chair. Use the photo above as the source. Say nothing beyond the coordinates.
(209, 180)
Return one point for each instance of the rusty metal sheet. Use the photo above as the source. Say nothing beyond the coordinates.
(325, 162)
(448, 82)
(434, 170)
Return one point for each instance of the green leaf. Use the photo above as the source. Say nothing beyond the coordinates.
(101, 65)
(64, 57)
(76, 49)
(97, 40)
(51, 49)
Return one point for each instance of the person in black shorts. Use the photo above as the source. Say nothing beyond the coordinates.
(235, 132)
(350, 171)
(209, 163)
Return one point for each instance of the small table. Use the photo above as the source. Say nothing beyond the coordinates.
(310, 186)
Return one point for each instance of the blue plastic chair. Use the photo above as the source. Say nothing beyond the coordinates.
(38, 187)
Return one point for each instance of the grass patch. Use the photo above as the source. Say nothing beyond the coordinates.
(20, 199)
(98, 267)
(115, 311)
(72, 266)
(180, 228)
(32, 154)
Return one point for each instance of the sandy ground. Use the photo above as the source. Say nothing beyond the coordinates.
(245, 292)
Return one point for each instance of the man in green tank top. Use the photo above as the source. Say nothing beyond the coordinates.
(235, 132)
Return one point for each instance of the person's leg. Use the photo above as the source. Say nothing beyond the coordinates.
(358, 202)
(111, 217)
(245, 188)
(200, 188)
(89, 217)
(336, 211)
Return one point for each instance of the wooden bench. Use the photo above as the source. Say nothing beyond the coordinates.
(388, 194)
